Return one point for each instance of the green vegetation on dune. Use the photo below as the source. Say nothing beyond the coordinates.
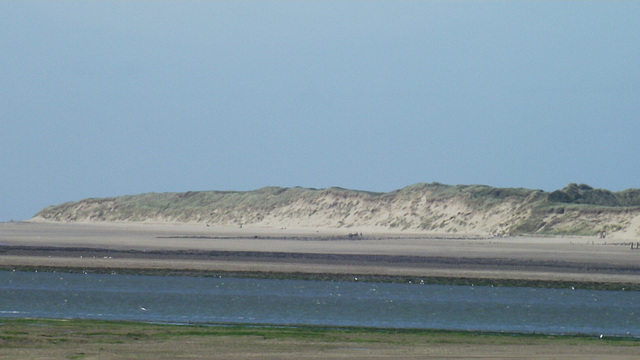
(586, 195)
(436, 208)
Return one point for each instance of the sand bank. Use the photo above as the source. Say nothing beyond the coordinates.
(202, 248)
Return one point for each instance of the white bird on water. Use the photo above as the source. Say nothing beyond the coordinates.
(143, 308)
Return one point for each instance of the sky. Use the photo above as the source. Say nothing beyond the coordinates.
(101, 99)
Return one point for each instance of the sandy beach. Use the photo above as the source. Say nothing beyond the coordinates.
(230, 249)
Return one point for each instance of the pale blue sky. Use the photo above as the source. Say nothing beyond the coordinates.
(114, 98)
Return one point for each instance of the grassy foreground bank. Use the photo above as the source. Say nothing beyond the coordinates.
(91, 339)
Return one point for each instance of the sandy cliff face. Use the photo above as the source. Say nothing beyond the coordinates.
(426, 208)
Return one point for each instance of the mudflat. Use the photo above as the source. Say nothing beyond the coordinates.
(188, 247)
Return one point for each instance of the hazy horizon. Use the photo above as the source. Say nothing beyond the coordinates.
(103, 99)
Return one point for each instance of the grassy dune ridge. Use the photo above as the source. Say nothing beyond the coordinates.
(426, 208)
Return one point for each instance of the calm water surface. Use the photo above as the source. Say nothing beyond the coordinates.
(268, 301)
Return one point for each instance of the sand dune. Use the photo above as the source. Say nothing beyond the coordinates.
(434, 209)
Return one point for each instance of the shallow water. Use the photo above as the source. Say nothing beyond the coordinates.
(268, 301)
